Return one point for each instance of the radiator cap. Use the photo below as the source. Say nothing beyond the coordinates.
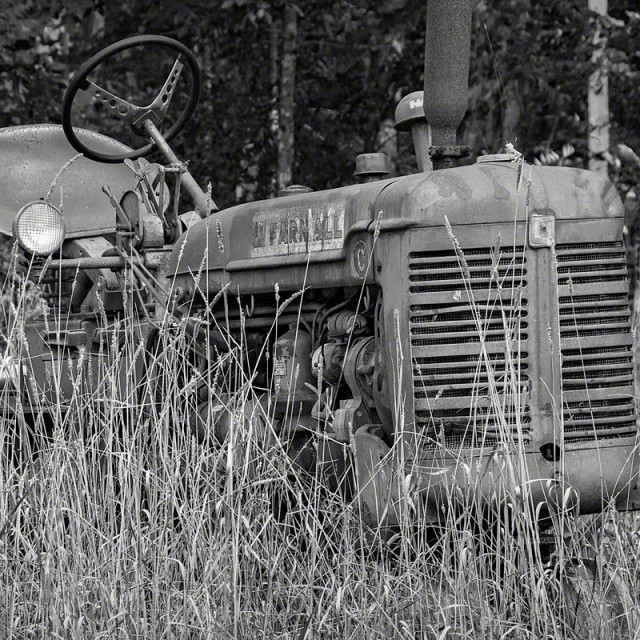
(372, 165)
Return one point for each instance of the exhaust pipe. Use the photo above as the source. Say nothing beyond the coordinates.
(446, 76)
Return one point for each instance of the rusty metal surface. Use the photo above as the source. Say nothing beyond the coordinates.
(616, 474)
(32, 156)
(488, 193)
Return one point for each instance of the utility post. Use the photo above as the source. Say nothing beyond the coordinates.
(599, 98)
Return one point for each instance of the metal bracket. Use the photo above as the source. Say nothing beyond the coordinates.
(444, 156)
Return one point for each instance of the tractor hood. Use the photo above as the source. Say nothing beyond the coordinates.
(32, 156)
(317, 226)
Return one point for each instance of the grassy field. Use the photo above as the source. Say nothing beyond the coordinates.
(116, 522)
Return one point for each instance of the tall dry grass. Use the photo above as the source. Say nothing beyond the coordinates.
(116, 522)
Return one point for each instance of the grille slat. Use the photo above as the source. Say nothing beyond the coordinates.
(595, 434)
(467, 404)
(597, 384)
(595, 341)
(597, 394)
(582, 248)
(572, 256)
(621, 363)
(616, 286)
(462, 318)
(594, 374)
(585, 354)
(479, 389)
(455, 339)
(592, 278)
(588, 314)
(481, 328)
(470, 254)
(471, 266)
(628, 418)
(449, 330)
(601, 269)
(587, 341)
(471, 374)
(471, 274)
(461, 285)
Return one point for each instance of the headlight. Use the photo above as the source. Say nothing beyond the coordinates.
(39, 228)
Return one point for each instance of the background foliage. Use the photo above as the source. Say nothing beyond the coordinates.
(354, 59)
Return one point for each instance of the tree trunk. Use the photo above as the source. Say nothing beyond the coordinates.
(387, 142)
(286, 107)
(599, 99)
(274, 77)
(510, 114)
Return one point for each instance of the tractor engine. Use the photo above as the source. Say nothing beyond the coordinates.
(314, 359)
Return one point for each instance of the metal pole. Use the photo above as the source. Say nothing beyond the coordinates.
(421, 133)
(203, 204)
(91, 262)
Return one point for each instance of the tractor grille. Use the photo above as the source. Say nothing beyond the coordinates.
(595, 341)
(468, 328)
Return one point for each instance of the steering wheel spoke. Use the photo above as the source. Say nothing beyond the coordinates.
(125, 110)
(161, 103)
(157, 110)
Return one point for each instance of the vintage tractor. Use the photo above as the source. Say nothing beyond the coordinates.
(464, 326)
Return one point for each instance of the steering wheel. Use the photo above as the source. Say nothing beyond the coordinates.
(133, 115)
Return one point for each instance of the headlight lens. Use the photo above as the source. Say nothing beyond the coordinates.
(39, 228)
